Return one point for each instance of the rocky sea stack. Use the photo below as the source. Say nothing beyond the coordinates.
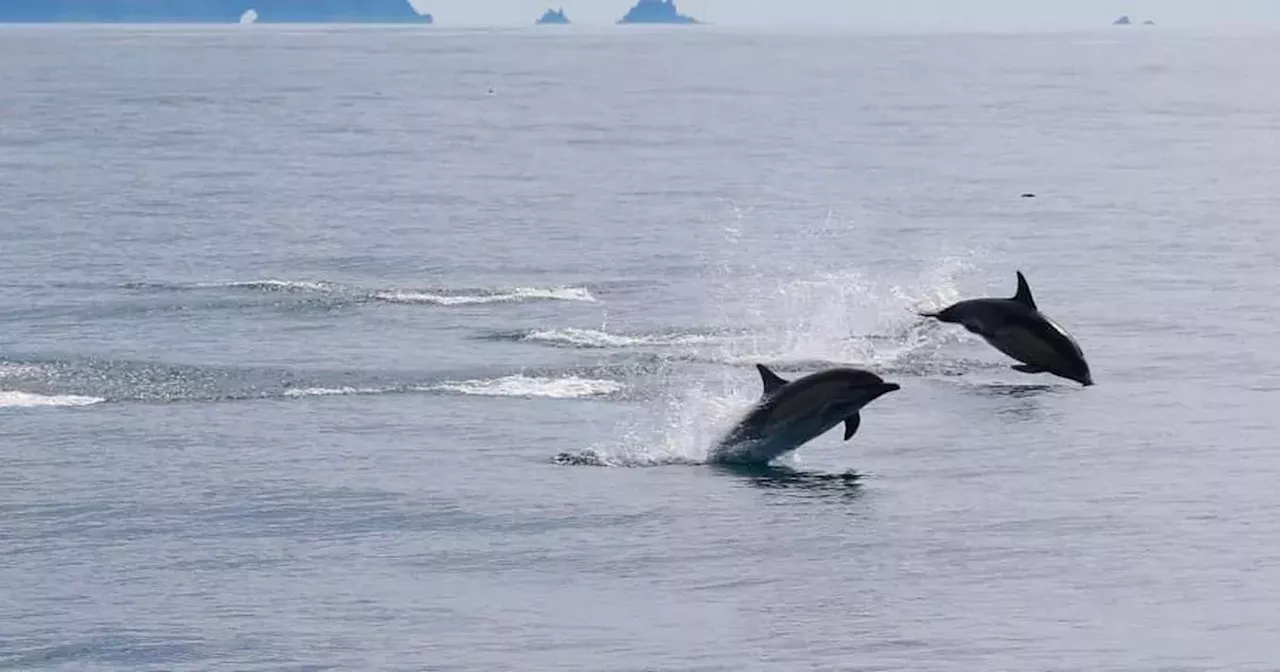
(554, 16)
(656, 11)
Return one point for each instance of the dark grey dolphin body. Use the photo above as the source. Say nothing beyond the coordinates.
(1017, 328)
(792, 413)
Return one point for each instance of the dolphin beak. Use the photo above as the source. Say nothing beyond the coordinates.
(886, 388)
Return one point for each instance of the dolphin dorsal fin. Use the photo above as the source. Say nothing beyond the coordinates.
(772, 381)
(851, 425)
(1024, 293)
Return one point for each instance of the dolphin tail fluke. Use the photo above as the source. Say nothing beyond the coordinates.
(851, 425)
(1027, 368)
(1023, 295)
(772, 381)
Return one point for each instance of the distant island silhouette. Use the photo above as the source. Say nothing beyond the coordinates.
(209, 11)
(1126, 21)
(554, 16)
(656, 11)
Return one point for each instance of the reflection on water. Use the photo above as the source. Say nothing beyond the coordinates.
(770, 477)
(1020, 403)
(800, 482)
(1017, 391)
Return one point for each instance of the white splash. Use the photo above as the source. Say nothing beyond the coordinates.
(499, 296)
(571, 387)
(821, 316)
(935, 287)
(15, 399)
(838, 316)
(682, 432)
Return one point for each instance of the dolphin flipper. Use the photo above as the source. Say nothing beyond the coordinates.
(1027, 368)
(772, 381)
(851, 425)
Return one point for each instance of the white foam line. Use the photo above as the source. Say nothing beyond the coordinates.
(15, 399)
(571, 387)
(502, 296)
(287, 285)
(594, 338)
(18, 370)
(333, 391)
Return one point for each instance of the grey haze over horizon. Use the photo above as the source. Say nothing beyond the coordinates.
(939, 13)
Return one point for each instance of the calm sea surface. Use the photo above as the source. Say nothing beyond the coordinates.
(294, 324)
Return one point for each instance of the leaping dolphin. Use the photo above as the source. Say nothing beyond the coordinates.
(792, 413)
(1016, 327)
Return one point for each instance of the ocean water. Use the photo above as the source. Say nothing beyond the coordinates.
(296, 323)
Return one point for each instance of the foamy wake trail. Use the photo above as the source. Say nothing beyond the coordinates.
(570, 387)
(15, 399)
(595, 338)
(18, 370)
(518, 385)
(335, 391)
(278, 285)
(432, 296)
(495, 296)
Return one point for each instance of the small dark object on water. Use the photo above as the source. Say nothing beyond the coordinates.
(1028, 195)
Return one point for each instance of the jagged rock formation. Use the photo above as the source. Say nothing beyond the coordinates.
(656, 11)
(554, 16)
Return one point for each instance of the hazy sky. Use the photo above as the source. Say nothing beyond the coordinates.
(960, 13)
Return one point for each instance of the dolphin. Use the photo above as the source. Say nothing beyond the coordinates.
(792, 413)
(1016, 327)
